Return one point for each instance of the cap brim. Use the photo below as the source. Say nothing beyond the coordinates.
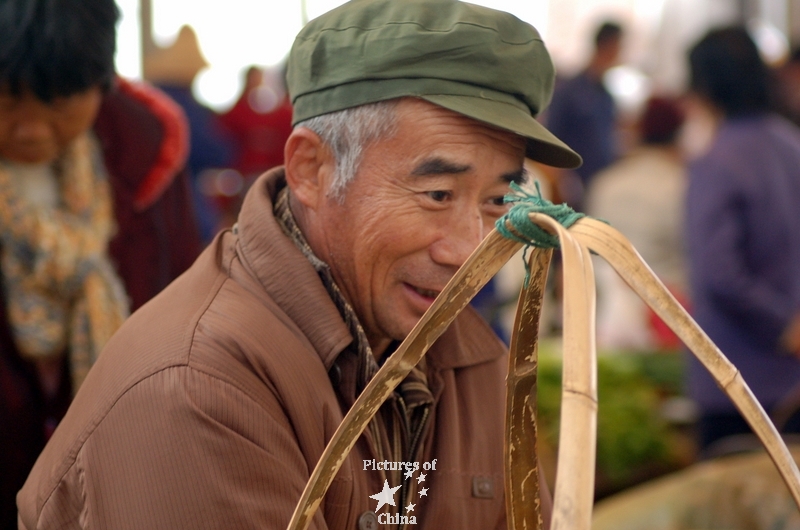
(542, 145)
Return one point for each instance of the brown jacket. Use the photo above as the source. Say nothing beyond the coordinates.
(212, 404)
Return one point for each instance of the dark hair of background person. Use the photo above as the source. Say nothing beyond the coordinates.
(54, 60)
(725, 67)
(794, 57)
(661, 121)
(607, 32)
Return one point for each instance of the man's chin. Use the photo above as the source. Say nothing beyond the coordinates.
(404, 329)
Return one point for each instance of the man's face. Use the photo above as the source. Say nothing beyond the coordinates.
(420, 203)
(35, 132)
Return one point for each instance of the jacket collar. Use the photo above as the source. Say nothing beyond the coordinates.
(285, 273)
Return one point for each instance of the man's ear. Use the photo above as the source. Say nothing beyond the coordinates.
(309, 166)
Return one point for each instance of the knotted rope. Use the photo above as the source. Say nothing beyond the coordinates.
(517, 225)
(523, 230)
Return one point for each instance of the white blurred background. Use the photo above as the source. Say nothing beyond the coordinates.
(238, 33)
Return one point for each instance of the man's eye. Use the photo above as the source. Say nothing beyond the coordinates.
(439, 196)
(498, 201)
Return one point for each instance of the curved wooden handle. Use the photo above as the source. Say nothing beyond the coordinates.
(618, 251)
(523, 501)
(574, 494)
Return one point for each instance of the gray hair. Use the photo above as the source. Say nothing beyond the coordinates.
(348, 132)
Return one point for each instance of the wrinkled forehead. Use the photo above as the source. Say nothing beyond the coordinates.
(413, 112)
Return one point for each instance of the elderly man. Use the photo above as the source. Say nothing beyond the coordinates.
(212, 404)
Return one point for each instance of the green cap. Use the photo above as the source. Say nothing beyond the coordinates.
(479, 62)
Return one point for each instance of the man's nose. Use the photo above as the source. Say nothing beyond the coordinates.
(460, 238)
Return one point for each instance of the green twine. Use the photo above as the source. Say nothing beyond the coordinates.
(526, 231)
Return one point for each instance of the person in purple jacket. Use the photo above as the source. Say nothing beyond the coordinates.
(743, 233)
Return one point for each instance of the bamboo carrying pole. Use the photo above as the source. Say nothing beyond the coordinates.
(574, 489)
(523, 502)
(576, 456)
(610, 244)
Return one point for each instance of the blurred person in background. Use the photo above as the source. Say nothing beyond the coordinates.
(642, 195)
(787, 87)
(260, 122)
(95, 216)
(584, 114)
(173, 70)
(743, 232)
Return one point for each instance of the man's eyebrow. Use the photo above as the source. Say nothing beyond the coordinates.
(439, 166)
(520, 176)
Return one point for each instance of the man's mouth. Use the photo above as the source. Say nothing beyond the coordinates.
(427, 293)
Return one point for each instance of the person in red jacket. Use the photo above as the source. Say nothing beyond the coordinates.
(260, 122)
(95, 212)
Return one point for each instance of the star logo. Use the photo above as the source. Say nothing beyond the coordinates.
(385, 496)
(421, 478)
(410, 507)
(409, 473)
(422, 493)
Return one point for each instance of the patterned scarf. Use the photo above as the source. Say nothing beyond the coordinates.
(61, 290)
(399, 428)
